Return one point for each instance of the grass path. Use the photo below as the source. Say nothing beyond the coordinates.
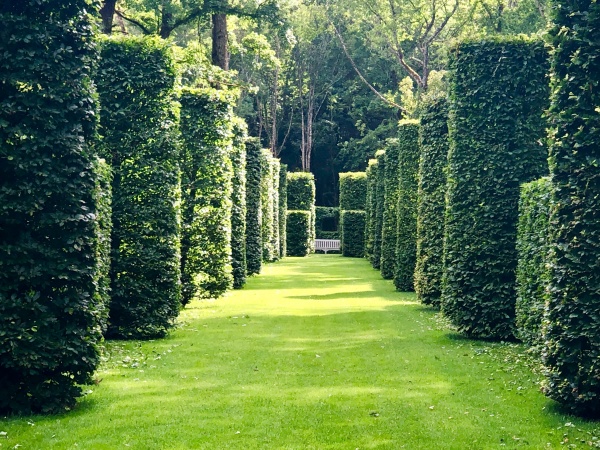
(316, 353)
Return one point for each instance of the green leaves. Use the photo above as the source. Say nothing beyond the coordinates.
(353, 233)
(301, 197)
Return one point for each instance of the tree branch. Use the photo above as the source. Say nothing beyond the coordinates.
(135, 22)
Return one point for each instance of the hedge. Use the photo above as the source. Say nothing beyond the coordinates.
(301, 197)
(572, 347)
(498, 91)
(406, 232)
(327, 222)
(431, 202)
(532, 270)
(353, 233)
(268, 201)
(238, 204)
(390, 216)
(282, 209)
(370, 208)
(353, 191)
(298, 232)
(275, 238)
(135, 83)
(379, 204)
(254, 250)
(207, 173)
(52, 242)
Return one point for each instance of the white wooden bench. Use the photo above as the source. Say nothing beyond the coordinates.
(326, 245)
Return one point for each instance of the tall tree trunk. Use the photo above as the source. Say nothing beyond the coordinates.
(220, 53)
(107, 12)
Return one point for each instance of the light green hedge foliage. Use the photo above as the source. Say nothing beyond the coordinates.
(379, 202)
(298, 231)
(532, 268)
(498, 91)
(207, 173)
(353, 191)
(275, 235)
(353, 233)
(254, 248)
(406, 233)
(370, 205)
(572, 339)
(301, 197)
(270, 206)
(282, 209)
(390, 204)
(431, 202)
(135, 80)
(238, 204)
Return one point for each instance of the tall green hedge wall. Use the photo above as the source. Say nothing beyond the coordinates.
(270, 206)
(390, 216)
(298, 232)
(572, 347)
(431, 203)
(353, 233)
(275, 235)
(282, 209)
(254, 252)
(301, 197)
(379, 204)
(353, 191)
(406, 233)
(532, 270)
(238, 204)
(370, 208)
(51, 242)
(207, 173)
(498, 91)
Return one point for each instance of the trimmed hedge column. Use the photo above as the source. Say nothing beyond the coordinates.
(282, 209)
(353, 191)
(498, 91)
(406, 233)
(298, 232)
(379, 201)
(532, 271)
(390, 216)
(267, 195)
(53, 207)
(275, 238)
(238, 200)
(431, 202)
(370, 208)
(135, 82)
(254, 250)
(353, 233)
(572, 338)
(301, 197)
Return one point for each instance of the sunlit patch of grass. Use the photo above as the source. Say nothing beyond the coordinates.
(316, 353)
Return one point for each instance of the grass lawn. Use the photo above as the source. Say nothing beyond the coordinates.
(316, 353)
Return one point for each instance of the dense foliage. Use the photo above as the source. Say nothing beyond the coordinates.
(532, 270)
(353, 233)
(370, 208)
(353, 191)
(298, 232)
(238, 204)
(433, 140)
(282, 190)
(572, 349)
(268, 201)
(53, 221)
(498, 90)
(135, 81)
(389, 226)
(406, 233)
(275, 243)
(327, 222)
(301, 197)
(378, 212)
(254, 249)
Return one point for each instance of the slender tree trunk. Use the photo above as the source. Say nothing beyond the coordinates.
(220, 52)
(107, 12)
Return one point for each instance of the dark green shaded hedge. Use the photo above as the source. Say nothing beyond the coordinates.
(353, 233)
(353, 191)
(327, 222)
(370, 208)
(379, 204)
(254, 252)
(238, 204)
(498, 91)
(207, 173)
(390, 216)
(53, 220)
(282, 209)
(572, 338)
(135, 83)
(406, 233)
(301, 197)
(298, 232)
(532, 270)
(431, 203)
